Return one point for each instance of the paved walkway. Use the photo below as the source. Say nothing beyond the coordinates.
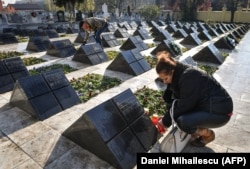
(28, 143)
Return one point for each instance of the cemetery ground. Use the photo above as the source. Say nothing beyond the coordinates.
(28, 142)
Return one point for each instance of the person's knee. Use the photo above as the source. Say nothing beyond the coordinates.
(185, 125)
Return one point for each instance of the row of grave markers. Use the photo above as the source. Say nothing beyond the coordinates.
(116, 129)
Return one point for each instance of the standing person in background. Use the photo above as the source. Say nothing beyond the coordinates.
(97, 25)
(90, 14)
(202, 103)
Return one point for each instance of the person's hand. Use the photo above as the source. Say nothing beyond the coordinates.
(157, 121)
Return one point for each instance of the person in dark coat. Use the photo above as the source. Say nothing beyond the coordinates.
(97, 25)
(202, 103)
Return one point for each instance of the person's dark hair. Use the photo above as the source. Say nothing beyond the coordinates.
(165, 63)
(80, 24)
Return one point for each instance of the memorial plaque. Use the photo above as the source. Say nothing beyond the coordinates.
(170, 46)
(129, 62)
(7, 38)
(134, 42)
(45, 94)
(133, 25)
(209, 54)
(109, 40)
(61, 29)
(72, 30)
(37, 32)
(55, 79)
(105, 132)
(11, 69)
(3, 68)
(156, 31)
(190, 61)
(143, 33)
(121, 33)
(237, 34)
(178, 24)
(220, 30)
(112, 27)
(90, 54)
(128, 105)
(33, 95)
(225, 43)
(14, 64)
(6, 83)
(213, 32)
(51, 33)
(192, 39)
(171, 28)
(180, 33)
(44, 106)
(67, 97)
(144, 130)
(161, 23)
(61, 48)
(164, 35)
(232, 36)
(38, 43)
(80, 38)
(204, 35)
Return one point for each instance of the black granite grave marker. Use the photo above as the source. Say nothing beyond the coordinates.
(130, 62)
(61, 48)
(38, 43)
(170, 46)
(51, 33)
(121, 33)
(32, 94)
(44, 95)
(115, 131)
(80, 38)
(143, 33)
(204, 35)
(109, 40)
(180, 33)
(7, 38)
(71, 30)
(133, 25)
(134, 42)
(213, 32)
(225, 42)
(90, 54)
(209, 54)
(171, 28)
(220, 30)
(60, 86)
(192, 39)
(163, 35)
(37, 32)
(61, 29)
(112, 27)
(11, 69)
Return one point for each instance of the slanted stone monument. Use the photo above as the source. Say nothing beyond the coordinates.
(115, 130)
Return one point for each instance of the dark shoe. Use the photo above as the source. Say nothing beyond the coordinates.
(203, 140)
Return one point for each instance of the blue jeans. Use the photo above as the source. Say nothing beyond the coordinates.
(98, 33)
(191, 121)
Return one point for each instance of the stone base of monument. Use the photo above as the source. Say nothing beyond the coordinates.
(130, 62)
(11, 69)
(115, 131)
